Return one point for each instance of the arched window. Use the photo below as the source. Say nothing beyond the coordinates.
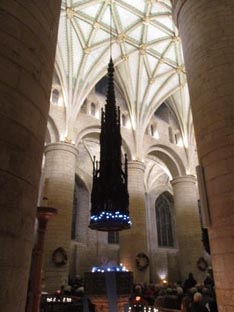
(93, 109)
(178, 139)
(164, 208)
(55, 96)
(170, 135)
(123, 120)
(113, 237)
(152, 130)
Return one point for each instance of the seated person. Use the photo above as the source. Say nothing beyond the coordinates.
(197, 305)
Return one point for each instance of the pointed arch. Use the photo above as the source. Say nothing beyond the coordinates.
(94, 132)
(164, 210)
(52, 134)
(169, 157)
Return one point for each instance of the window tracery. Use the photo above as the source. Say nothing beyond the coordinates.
(113, 237)
(164, 206)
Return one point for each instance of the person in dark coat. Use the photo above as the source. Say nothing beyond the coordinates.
(189, 283)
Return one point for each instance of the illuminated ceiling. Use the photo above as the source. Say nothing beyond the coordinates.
(146, 51)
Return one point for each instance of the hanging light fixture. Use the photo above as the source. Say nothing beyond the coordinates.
(109, 197)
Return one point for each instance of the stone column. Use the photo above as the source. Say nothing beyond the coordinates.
(60, 162)
(188, 226)
(134, 240)
(28, 33)
(207, 30)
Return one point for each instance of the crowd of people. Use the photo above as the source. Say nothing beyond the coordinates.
(189, 297)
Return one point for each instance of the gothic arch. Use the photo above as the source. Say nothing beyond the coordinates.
(94, 132)
(169, 157)
(91, 131)
(52, 133)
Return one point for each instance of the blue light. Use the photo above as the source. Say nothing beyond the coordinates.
(109, 269)
(114, 216)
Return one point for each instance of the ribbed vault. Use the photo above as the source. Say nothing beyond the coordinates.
(145, 47)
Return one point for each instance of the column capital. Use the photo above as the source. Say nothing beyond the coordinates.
(184, 179)
(136, 164)
(62, 146)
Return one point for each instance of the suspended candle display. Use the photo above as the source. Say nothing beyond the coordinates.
(109, 197)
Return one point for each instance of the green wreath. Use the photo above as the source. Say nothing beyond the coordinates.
(142, 261)
(202, 264)
(59, 257)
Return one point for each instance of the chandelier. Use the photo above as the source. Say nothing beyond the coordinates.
(109, 197)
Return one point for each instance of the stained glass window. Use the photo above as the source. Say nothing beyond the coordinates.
(113, 237)
(164, 208)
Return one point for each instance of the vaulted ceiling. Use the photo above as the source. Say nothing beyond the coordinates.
(146, 49)
(144, 44)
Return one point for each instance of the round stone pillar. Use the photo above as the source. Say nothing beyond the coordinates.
(28, 33)
(59, 172)
(134, 240)
(188, 226)
(207, 29)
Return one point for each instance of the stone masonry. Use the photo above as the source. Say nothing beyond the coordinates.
(59, 171)
(28, 33)
(207, 29)
(134, 241)
(188, 226)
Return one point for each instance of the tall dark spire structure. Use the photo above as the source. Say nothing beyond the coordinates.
(109, 197)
